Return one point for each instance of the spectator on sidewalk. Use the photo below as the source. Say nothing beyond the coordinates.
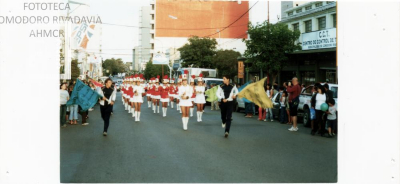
(294, 92)
(283, 102)
(332, 123)
(64, 97)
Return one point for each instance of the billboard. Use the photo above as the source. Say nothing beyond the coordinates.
(319, 39)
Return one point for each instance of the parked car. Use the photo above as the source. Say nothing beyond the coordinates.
(209, 81)
(305, 102)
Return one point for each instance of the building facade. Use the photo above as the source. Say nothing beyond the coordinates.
(316, 61)
(142, 52)
(173, 22)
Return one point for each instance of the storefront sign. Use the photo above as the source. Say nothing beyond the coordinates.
(319, 39)
(240, 70)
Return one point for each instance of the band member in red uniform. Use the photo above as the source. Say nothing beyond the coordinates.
(172, 92)
(193, 97)
(178, 98)
(157, 95)
(164, 95)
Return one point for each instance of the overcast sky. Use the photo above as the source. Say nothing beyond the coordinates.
(126, 12)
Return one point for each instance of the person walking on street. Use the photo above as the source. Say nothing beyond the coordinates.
(64, 97)
(164, 90)
(212, 96)
(200, 98)
(294, 93)
(106, 103)
(226, 94)
(137, 98)
(193, 97)
(185, 92)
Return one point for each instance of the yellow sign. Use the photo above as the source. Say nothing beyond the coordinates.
(240, 70)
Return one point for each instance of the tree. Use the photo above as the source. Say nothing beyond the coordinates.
(154, 70)
(75, 71)
(114, 66)
(269, 45)
(199, 52)
(226, 62)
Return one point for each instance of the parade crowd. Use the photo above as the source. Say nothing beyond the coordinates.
(186, 96)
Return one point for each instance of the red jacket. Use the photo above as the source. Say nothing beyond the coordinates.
(164, 92)
(130, 91)
(172, 90)
(157, 91)
(194, 94)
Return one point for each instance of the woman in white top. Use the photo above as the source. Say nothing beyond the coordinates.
(316, 101)
(185, 92)
(200, 99)
(137, 98)
(177, 94)
(270, 94)
(64, 97)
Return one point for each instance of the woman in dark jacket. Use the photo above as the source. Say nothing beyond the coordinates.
(319, 98)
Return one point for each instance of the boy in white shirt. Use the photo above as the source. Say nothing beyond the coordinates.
(332, 123)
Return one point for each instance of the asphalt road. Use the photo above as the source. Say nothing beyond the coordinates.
(157, 149)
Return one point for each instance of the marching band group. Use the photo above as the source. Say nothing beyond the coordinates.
(186, 95)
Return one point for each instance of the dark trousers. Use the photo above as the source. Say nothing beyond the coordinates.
(63, 112)
(226, 114)
(319, 123)
(84, 114)
(249, 108)
(283, 117)
(105, 114)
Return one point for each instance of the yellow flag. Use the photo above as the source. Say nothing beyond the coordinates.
(256, 93)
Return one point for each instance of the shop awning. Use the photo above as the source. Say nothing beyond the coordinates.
(314, 51)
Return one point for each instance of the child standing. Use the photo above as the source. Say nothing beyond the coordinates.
(283, 101)
(332, 123)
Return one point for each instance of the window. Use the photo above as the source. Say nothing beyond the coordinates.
(299, 10)
(321, 23)
(319, 4)
(335, 92)
(295, 27)
(308, 8)
(334, 20)
(308, 26)
(290, 13)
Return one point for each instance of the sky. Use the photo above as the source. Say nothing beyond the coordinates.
(118, 41)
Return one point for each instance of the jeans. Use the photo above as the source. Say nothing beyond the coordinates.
(105, 114)
(226, 114)
(214, 105)
(249, 108)
(73, 112)
(269, 114)
(63, 112)
(283, 115)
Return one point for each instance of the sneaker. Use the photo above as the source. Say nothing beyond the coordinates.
(111, 113)
(291, 128)
(64, 126)
(104, 133)
(84, 124)
(333, 133)
(226, 134)
(223, 125)
(296, 129)
(91, 109)
(272, 120)
(265, 119)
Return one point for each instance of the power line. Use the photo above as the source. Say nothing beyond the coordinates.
(163, 28)
(232, 22)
